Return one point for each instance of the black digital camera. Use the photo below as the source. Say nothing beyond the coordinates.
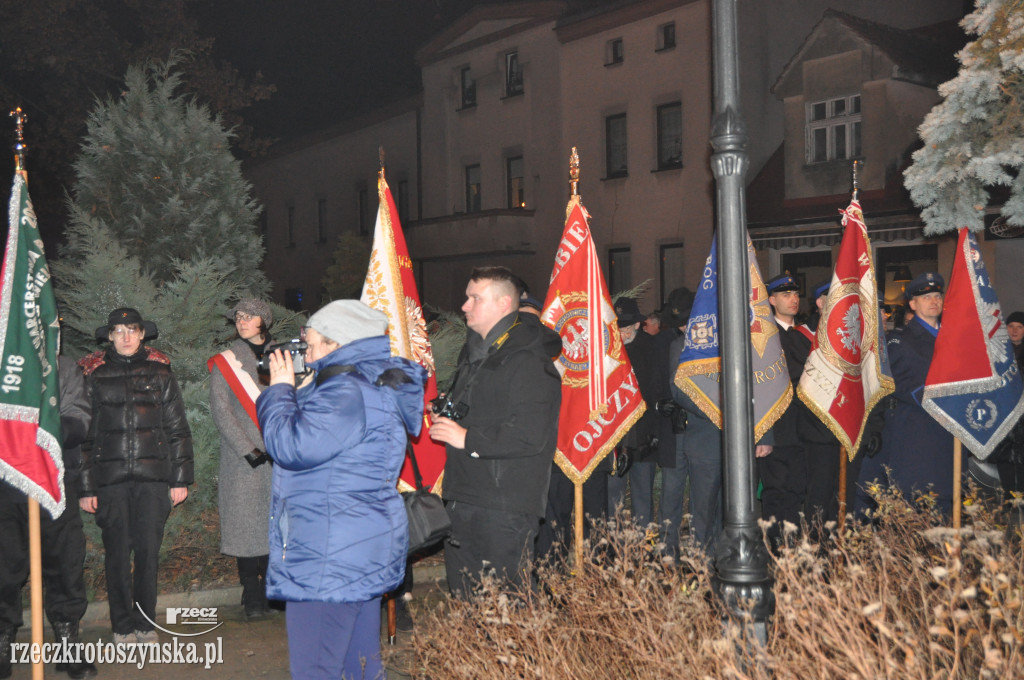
(446, 407)
(297, 348)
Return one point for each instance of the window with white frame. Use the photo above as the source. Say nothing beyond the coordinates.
(834, 129)
(513, 75)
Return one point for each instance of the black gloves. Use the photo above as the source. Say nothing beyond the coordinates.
(670, 409)
(621, 461)
(256, 458)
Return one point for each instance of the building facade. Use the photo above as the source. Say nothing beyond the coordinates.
(482, 156)
(857, 90)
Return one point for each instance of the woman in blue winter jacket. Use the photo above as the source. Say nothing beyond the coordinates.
(338, 529)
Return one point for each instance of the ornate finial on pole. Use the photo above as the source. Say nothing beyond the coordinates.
(20, 117)
(380, 158)
(574, 172)
(855, 179)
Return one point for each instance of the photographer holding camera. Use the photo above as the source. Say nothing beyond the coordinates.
(338, 527)
(500, 450)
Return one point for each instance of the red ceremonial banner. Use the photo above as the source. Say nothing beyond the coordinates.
(847, 371)
(391, 288)
(600, 395)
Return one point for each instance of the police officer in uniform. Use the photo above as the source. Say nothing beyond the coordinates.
(801, 475)
(917, 450)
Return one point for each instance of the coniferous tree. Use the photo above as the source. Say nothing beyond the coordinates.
(156, 169)
(161, 220)
(974, 139)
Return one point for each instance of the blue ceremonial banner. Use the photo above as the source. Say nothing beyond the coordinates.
(974, 386)
(700, 363)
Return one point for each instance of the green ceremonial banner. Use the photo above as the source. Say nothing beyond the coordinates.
(30, 437)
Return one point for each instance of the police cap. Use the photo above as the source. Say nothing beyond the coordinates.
(781, 283)
(922, 284)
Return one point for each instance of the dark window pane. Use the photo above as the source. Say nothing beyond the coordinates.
(671, 269)
(819, 145)
(472, 188)
(513, 74)
(670, 136)
(818, 111)
(839, 131)
(668, 36)
(615, 51)
(516, 195)
(855, 141)
(468, 89)
(321, 220)
(619, 266)
(615, 140)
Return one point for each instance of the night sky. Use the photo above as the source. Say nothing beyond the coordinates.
(330, 59)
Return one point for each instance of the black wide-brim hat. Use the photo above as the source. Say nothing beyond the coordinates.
(628, 312)
(126, 316)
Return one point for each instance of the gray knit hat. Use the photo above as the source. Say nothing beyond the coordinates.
(345, 321)
(253, 307)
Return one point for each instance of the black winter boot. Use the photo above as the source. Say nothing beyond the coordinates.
(264, 561)
(253, 593)
(7, 636)
(76, 667)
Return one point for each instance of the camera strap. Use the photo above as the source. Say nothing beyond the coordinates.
(332, 371)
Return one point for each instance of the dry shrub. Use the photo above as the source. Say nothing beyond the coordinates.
(900, 599)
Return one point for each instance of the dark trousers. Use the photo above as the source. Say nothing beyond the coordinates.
(489, 540)
(558, 528)
(63, 556)
(799, 479)
(334, 640)
(131, 517)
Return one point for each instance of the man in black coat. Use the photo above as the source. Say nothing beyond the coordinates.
(801, 475)
(500, 450)
(136, 464)
(650, 440)
(916, 449)
(62, 539)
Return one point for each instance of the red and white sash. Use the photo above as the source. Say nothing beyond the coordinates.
(240, 382)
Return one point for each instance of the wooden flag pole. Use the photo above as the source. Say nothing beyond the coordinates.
(578, 524)
(35, 556)
(957, 469)
(35, 552)
(842, 486)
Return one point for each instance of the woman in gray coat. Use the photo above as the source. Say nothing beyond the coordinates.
(244, 491)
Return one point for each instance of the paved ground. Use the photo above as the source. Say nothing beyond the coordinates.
(247, 649)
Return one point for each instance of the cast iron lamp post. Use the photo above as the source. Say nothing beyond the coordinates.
(741, 581)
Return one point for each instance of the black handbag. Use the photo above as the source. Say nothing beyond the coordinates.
(428, 520)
